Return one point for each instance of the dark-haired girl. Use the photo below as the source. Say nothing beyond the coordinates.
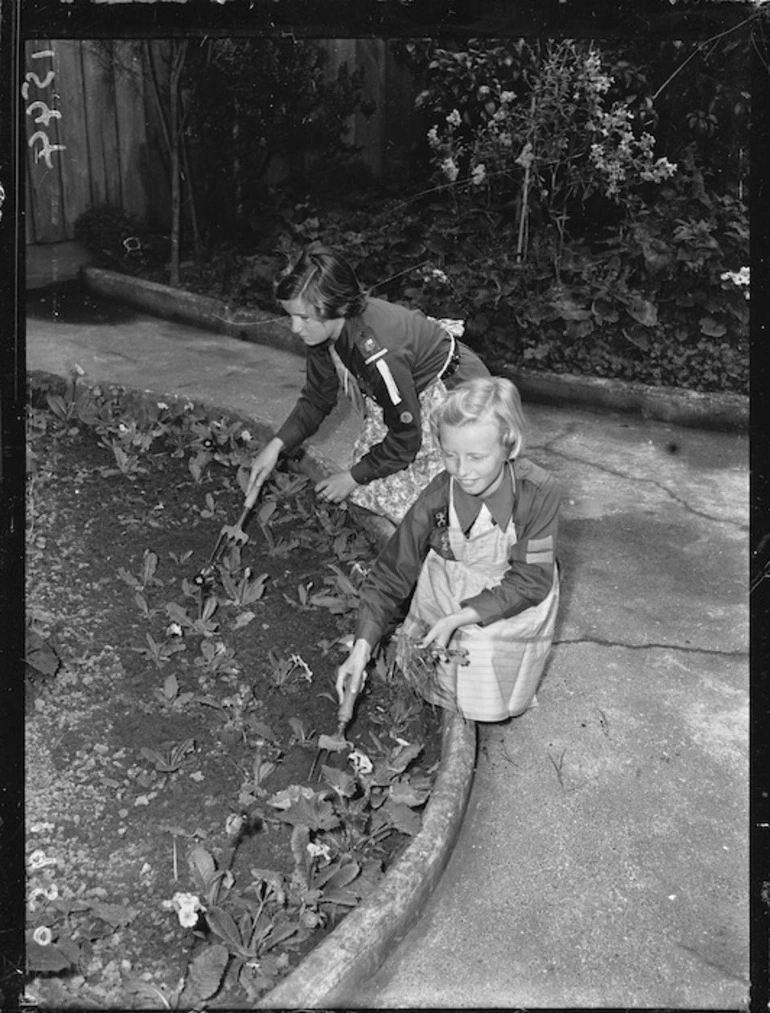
(392, 361)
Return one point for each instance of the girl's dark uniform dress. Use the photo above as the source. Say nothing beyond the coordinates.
(400, 361)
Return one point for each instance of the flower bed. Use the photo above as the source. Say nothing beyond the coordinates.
(178, 850)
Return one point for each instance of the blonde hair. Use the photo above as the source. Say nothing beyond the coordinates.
(485, 399)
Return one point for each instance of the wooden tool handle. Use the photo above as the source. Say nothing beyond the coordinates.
(345, 712)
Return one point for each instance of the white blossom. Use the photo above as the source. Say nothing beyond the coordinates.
(319, 850)
(187, 907)
(742, 277)
(38, 860)
(479, 174)
(453, 119)
(450, 170)
(233, 824)
(42, 935)
(361, 762)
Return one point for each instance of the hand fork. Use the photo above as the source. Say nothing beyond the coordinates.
(230, 534)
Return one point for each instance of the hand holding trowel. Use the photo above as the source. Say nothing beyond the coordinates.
(349, 685)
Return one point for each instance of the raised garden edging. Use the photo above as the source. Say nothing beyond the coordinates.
(357, 947)
(694, 409)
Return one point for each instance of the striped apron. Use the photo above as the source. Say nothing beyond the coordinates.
(505, 659)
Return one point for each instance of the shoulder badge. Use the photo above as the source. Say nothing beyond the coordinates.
(406, 418)
(369, 346)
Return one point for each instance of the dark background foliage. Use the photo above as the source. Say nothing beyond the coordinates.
(630, 286)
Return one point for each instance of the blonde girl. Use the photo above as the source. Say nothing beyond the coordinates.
(475, 559)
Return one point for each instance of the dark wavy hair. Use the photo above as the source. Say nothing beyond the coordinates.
(325, 281)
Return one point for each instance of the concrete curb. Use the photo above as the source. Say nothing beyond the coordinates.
(694, 409)
(357, 947)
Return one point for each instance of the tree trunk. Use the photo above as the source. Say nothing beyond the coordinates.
(175, 98)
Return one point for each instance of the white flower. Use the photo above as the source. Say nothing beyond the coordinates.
(245, 435)
(162, 405)
(32, 903)
(79, 370)
(742, 277)
(233, 824)
(188, 406)
(319, 850)
(479, 174)
(187, 907)
(438, 275)
(508, 96)
(361, 762)
(174, 630)
(433, 137)
(453, 119)
(483, 90)
(51, 891)
(38, 860)
(450, 170)
(42, 935)
(526, 158)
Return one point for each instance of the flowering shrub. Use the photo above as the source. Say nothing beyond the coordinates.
(551, 138)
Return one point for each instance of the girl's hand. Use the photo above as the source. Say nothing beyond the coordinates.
(351, 674)
(337, 487)
(441, 632)
(263, 464)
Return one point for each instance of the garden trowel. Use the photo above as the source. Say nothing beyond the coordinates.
(335, 743)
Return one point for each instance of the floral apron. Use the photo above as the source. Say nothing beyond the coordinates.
(505, 659)
(392, 496)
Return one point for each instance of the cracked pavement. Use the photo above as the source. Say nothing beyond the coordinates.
(604, 858)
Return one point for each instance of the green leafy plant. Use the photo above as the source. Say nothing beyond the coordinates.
(287, 673)
(159, 653)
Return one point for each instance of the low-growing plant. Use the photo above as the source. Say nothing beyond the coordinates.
(287, 673)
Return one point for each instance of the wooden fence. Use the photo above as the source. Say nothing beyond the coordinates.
(94, 135)
(90, 132)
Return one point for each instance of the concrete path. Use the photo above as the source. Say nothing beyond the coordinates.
(604, 858)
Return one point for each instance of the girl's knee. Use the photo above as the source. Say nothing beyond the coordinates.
(515, 710)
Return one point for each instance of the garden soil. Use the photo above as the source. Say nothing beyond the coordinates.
(132, 762)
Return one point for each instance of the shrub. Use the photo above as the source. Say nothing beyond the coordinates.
(117, 239)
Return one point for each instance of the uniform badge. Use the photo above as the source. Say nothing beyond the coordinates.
(406, 418)
(441, 518)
